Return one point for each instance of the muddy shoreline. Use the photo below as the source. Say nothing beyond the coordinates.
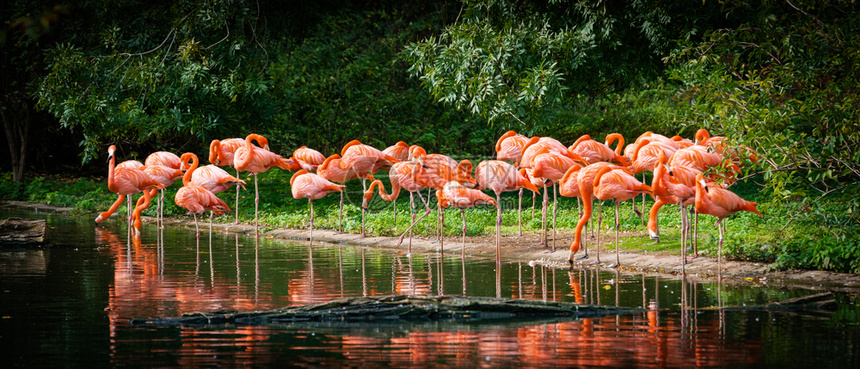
(526, 249)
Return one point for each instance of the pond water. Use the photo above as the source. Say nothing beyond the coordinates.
(70, 305)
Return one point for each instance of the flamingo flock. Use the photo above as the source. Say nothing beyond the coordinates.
(684, 173)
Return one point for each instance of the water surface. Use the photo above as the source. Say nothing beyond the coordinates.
(70, 305)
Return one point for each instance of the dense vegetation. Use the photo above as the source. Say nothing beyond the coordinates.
(776, 76)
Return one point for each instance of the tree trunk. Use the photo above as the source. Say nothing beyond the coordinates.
(16, 123)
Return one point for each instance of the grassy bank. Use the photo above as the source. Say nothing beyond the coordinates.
(787, 234)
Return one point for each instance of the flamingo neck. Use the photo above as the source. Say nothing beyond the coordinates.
(111, 183)
(186, 179)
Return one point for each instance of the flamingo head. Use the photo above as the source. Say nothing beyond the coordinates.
(111, 151)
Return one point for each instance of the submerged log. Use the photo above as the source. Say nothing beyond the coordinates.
(818, 302)
(21, 231)
(398, 307)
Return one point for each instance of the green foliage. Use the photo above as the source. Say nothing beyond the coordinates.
(174, 74)
(531, 61)
(345, 81)
(783, 82)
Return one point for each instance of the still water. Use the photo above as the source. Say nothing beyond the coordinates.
(69, 305)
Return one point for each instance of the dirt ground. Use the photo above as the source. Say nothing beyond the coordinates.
(527, 248)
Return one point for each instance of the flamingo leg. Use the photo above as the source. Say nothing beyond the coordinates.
(695, 236)
(544, 238)
(311, 236)
(599, 221)
(519, 212)
(128, 213)
(363, 190)
(441, 228)
(256, 205)
(499, 228)
(196, 226)
(463, 211)
(554, 212)
(720, 251)
(617, 256)
(684, 237)
(340, 214)
(237, 200)
(411, 212)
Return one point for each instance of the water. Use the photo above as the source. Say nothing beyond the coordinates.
(70, 305)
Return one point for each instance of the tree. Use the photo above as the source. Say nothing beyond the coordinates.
(165, 75)
(532, 60)
(21, 42)
(784, 83)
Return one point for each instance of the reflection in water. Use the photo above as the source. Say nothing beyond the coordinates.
(678, 328)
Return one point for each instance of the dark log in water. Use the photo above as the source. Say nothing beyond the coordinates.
(398, 307)
(819, 302)
(20, 231)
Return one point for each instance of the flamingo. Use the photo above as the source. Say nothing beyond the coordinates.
(212, 178)
(439, 177)
(401, 175)
(305, 185)
(459, 196)
(617, 185)
(364, 160)
(399, 151)
(509, 147)
(330, 169)
(221, 152)
(254, 159)
(307, 159)
(537, 182)
(593, 151)
(720, 203)
(125, 181)
(532, 149)
(668, 190)
(585, 179)
(644, 158)
(437, 166)
(499, 176)
(551, 167)
(197, 199)
(165, 159)
(539, 145)
(165, 176)
(130, 164)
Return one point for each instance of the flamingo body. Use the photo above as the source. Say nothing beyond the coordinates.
(308, 159)
(214, 179)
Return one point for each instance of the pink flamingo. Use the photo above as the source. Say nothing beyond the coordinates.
(125, 181)
(197, 199)
(617, 185)
(221, 153)
(305, 185)
(720, 203)
(509, 147)
(258, 159)
(499, 176)
(330, 169)
(364, 160)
